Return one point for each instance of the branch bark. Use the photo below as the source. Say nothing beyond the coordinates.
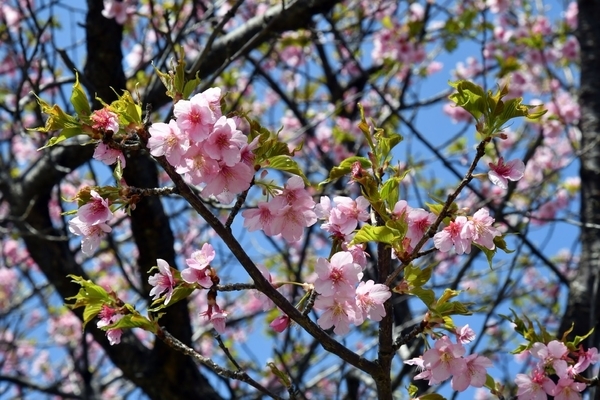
(583, 301)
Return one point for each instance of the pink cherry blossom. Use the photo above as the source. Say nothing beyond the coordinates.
(296, 195)
(280, 323)
(338, 276)
(92, 234)
(224, 142)
(216, 316)
(105, 120)
(108, 316)
(501, 172)
(108, 155)
(168, 140)
(338, 312)
(419, 221)
(585, 359)
(198, 271)
(451, 236)
(195, 117)
(425, 373)
(474, 375)
(119, 10)
(229, 182)
(291, 222)
(197, 166)
(465, 334)
(370, 298)
(96, 211)
(568, 389)
(401, 209)
(479, 229)
(162, 281)
(263, 216)
(445, 359)
(534, 387)
(213, 97)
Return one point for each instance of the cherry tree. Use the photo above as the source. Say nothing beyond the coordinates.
(298, 199)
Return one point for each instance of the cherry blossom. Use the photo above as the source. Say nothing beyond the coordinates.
(168, 140)
(195, 117)
(216, 316)
(198, 267)
(96, 211)
(109, 316)
(501, 172)
(451, 236)
(474, 375)
(534, 387)
(108, 155)
(119, 10)
(590, 356)
(419, 221)
(263, 216)
(370, 298)
(197, 166)
(445, 359)
(338, 313)
(105, 120)
(465, 334)
(280, 323)
(479, 229)
(229, 181)
(291, 222)
(225, 142)
(296, 195)
(162, 281)
(92, 234)
(338, 276)
(568, 389)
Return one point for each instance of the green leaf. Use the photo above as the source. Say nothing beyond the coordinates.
(427, 296)
(390, 191)
(490, 383)
(501, 244)
(90, 296)
(190, 86)
(432, 396)
(370, 233)
(167, 81)
(416, 276)
(386, 143)
(127, 109)
(64, 135)
(135, 320)
(469, 96)
(180, 292)
(80, 100)
(287, 164)
(282, 376)
(345, 168)
(489, 254)
(578, 339)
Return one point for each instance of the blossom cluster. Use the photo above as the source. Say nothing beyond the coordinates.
(199, 272)
(109, 316)
(90, 222)
(287, 213)
(555, 358)
(447, 359)
(342, 302)
(417, 219)
(205, 146)
(105, 121)
(464, 231)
